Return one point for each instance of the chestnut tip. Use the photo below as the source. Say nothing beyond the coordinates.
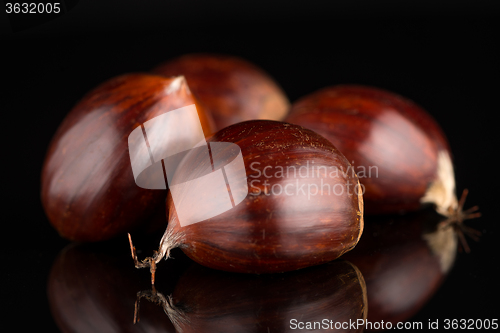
(455, 219)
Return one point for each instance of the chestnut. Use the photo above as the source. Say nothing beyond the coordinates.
(88, 189)
(400, 153)
(233, 89)
(404, 260)
(296, 206)
(206, 300)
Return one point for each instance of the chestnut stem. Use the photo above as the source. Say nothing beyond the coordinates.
(148, 262)
(456, 218)
(167, 243)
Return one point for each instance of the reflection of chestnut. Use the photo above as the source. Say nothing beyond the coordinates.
(404, 259)
(206, 300)
(93, 288)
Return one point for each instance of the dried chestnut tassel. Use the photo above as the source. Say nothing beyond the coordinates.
(456, 220)
(265, 197)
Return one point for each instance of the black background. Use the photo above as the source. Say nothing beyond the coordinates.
(444, 56)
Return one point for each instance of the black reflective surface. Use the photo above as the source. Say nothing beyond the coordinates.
(93, 288)
(441, 57)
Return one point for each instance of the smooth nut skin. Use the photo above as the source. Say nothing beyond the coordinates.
(88, 189)
(233, 89)
(271, 231)
(380, 130)
(215, 301)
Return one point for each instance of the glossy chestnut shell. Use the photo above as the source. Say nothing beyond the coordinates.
(399, 152)
(276, 227)
(232, 89)
(88, 189)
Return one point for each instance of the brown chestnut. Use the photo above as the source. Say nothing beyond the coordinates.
(319, 298)
(88, 189)
(399, 151)
(232, 88)
(296, 206)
